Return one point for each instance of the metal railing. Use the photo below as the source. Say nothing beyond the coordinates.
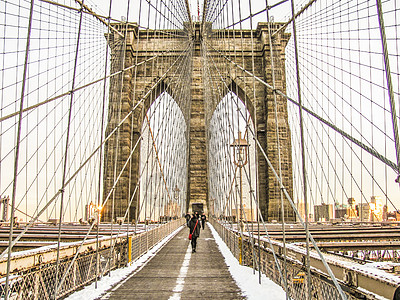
(322, 286)
(38, 282)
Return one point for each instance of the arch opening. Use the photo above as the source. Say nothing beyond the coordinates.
(229, 119)
(163, 161)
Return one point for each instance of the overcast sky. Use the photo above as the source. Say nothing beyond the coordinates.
(119, 10)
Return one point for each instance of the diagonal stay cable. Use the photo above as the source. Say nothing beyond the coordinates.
(301, 11)
(253, 196)
(157, 156)
(17, 149)
(86, 10)
(88, 84)
(91, 227)
(234, 179)
(293, 206)
(32, 221)
(370, 150)
(335, 282)
(136, 188)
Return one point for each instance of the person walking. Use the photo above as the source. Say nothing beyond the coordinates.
(203, 220)
(187, 217)
(194, 228)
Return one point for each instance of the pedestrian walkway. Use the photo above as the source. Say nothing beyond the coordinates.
(177, 273)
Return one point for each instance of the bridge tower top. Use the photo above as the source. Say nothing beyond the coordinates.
(179, 60)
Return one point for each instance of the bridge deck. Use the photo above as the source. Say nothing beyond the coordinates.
(177, 273)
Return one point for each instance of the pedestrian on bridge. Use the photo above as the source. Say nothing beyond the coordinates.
(187, 217)
(194, 228)
(203, 220)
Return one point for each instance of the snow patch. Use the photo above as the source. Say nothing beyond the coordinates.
(119, 275)
(180, 282)
(244, 277)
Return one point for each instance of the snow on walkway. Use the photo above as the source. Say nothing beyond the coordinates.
(244, 277)
(119, 275)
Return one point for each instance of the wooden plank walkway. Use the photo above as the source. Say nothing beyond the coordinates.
(177, 273)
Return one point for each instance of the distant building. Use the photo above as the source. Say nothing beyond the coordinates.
(385, 213)
(372, 211)
(301, 209)
(364, 211)
(351, 209)
(89, 211)
(323, 212)
(376, 205)
(346, 211)
(302, 212)
(341, 211)
(393, 216)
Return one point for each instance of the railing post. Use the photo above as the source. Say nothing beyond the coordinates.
(240, 245)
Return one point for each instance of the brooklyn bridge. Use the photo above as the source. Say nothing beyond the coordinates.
(276, 121)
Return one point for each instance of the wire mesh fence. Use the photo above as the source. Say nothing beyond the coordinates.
(39, 281)
(293, 273)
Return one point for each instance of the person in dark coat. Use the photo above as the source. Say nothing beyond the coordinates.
(194, 227)
(203, 220)
(187, 217)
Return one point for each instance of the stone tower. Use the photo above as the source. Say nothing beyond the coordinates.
(140, 86)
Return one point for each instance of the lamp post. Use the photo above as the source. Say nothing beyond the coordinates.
(212, 208)
(240, 149)
(98, 219)
(176, 196)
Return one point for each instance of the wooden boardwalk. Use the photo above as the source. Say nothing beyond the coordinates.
(177, 273)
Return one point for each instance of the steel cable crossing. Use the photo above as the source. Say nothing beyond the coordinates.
(335, 174)
(44, 112)
(69, 72)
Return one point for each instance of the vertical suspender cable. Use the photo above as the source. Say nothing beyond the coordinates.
(66, 149)
(123, 54)
(137, 188)
(152, 96)
(308, 282)
(98, 208)
(245, 101)
(141, 116)
(271, 52)
(247, 133)
(17, 146)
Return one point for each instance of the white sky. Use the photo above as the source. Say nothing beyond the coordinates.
(52, 56)
(120, 10)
